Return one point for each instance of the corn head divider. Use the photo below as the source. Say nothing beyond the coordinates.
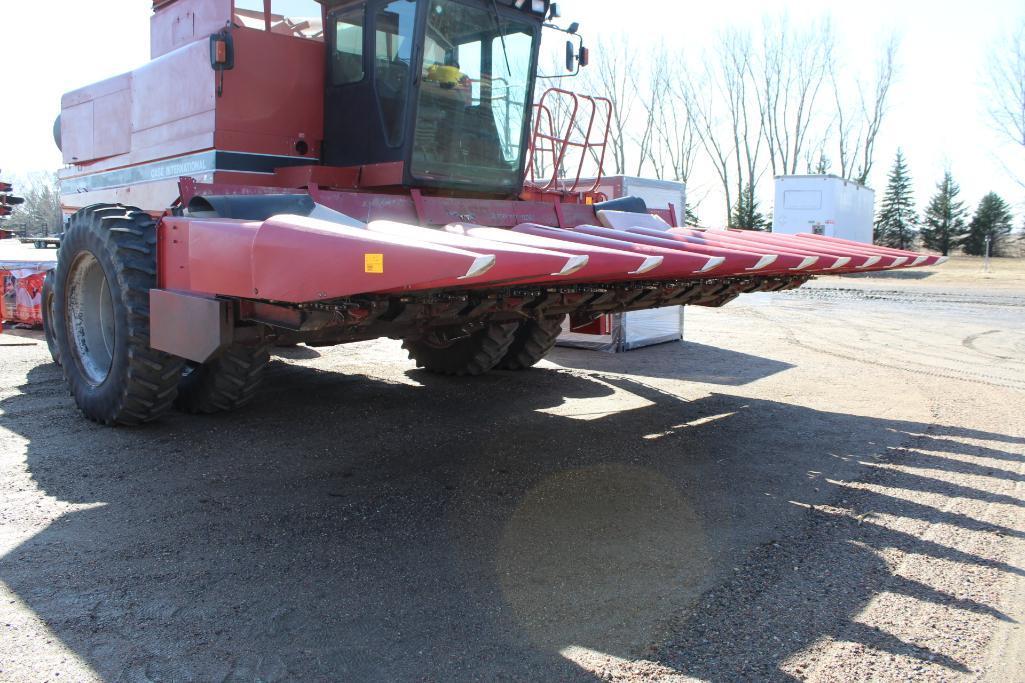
(383, 169)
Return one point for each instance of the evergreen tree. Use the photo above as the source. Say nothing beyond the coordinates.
(690, 217)
(944, 225)
(821, 166)
(746, 214)
(895, 225)
(992, 219)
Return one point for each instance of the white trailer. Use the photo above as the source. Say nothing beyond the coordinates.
(824, 205)
(657, 194)
(636, 329)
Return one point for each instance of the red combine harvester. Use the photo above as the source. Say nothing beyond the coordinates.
(354, 169)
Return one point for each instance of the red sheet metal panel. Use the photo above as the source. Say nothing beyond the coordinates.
(734, 261)
(603, 265)
(156, 104)
(178, 23)
(296, 260)
(843, 260)
(787, 259)
(858, 260)
(769, 262)
(302, 259)
(513, 262)
(675, 263)
(915, 259)
(274, 97)
(785, 262)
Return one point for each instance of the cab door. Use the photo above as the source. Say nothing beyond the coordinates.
(371, 52)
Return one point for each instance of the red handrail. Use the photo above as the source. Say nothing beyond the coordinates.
(558, 143)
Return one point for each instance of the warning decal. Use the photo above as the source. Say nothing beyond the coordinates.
(373, 263)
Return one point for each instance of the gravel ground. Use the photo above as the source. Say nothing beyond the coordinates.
(821, 485)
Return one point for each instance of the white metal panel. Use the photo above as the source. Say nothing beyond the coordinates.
(657, 194)
(823, 204)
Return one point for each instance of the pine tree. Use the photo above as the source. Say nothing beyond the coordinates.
(745, 212)
(992, 219)
(690, 217)
(821, 166)
(895, 226)
(944, 225)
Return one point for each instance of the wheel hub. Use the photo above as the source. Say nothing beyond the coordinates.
(90, 318)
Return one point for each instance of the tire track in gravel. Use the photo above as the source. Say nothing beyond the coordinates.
(906, 296)
(838, 349)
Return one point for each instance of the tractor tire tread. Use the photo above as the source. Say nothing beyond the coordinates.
(534, 339)
(468, 357)
(144, 378)
(227, 382)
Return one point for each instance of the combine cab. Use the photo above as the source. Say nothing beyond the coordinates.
(355, 173)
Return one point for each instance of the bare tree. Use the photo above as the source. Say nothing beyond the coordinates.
(1006, 85)
(653, 104)
(41, 214)
(674, 147)
(701, 103)
(858, 123)
(614, 77)
(793, 69)
(816, 159)
(721, 102)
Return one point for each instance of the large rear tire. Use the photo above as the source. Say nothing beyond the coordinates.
(106, 267)
(472, 355)
(227, 382)
(533, 340)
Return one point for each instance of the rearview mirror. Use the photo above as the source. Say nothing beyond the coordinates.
(574, 56)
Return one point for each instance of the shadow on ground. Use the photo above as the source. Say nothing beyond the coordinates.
(891, 275)
(343, 527)
(682, 360)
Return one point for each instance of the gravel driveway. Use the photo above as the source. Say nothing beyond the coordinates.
(822, 485)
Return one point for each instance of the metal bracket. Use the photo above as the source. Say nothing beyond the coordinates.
(188, 325)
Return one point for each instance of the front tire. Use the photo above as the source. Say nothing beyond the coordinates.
(534, 339)
(471, 355)
(105, 270)
(227, 382)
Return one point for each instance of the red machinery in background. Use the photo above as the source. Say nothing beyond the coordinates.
(21, 273)
(369, 170)
(22, 299)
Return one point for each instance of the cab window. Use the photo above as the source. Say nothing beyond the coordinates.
(393, 56)
(348, 48)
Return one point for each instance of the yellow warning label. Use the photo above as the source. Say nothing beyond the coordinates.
(373, 263)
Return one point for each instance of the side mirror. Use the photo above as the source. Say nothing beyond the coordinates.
(576, 54)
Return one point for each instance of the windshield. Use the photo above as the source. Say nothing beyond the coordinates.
(473, 96)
